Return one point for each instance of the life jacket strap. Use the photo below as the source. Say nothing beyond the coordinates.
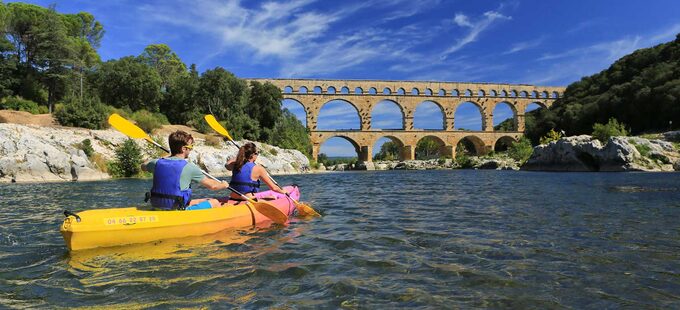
(179, 200)
(253, 184)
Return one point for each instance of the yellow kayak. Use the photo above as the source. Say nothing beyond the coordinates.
(120, 226)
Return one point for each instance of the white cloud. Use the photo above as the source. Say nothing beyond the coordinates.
(462, 20)
(524, 46)
(476, 28)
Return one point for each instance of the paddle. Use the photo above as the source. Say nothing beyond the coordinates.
(131, 130)
(304, 209)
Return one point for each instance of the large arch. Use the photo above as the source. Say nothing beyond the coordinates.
(400, 152)
(336, 115)
(429, 110)
(387, 107)
(503, 143)
(297, 108)
(477, 145)
(467, 114)
(422, 150)
(322, 147)
(504, 112)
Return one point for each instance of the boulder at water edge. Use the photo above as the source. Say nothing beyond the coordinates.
(583, 153)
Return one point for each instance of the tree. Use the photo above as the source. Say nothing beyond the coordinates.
(42, 50)
(264, 104)
(55, 51)
(388, 151)
(427, 148)
(83, 25)
(612, 129)
(87, 113)
(128, 160)
(128, 83)
(222, 94)
(521, 150)
(641, 90)
(289, 133)
(168, 65)
(181, 101)
(85, 34)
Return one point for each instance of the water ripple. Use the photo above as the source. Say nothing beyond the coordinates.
(407, 239)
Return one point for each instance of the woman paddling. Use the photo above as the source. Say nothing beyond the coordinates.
(246, 174)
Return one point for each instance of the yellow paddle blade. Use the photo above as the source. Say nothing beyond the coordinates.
(215, 125)
(269, 211)
(305, 210)
(126, 127)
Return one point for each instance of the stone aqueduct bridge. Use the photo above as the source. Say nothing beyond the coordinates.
(364, 95)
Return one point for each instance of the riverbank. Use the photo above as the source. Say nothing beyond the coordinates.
(39, 153)
(650, 153)
(34, 149)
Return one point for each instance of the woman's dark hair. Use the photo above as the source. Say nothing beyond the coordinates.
(244, 154)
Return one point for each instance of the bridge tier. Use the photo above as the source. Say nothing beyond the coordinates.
(364, 95)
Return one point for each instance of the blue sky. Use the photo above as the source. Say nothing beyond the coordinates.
(551, 43)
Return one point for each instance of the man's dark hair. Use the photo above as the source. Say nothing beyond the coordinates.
(177, 140)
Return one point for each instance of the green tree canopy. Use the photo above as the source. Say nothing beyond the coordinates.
(388, 151)
(264, 105)
(128, 83)
(289, 133)
(428, 148)
(168, 65)
(641, 90)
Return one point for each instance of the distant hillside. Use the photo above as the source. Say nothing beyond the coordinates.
(642, 90)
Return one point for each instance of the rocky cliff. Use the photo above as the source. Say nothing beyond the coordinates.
(583, 153)
(32, 153)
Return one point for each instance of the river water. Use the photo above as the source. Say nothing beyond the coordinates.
(427, 239)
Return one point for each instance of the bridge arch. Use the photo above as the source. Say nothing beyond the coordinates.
(443, 149)
(463, 107)
(430, 108)
(475, 143)
(316, 147)
(334, 106)
(503, 143)
(498, 113)
(385, 107)
(401, 152)
(296, 107)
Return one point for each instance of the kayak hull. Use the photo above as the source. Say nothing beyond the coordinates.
(121, 226)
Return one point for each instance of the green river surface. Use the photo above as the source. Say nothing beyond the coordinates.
(392, 239)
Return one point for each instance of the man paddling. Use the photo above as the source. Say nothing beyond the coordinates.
(173, 176)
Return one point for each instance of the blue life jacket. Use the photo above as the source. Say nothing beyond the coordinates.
(241, 181)
(166, 193)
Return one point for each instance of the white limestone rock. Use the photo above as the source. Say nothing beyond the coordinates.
(583, 153)
(30, 153)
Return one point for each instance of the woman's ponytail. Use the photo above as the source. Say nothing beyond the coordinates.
(244, 154)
